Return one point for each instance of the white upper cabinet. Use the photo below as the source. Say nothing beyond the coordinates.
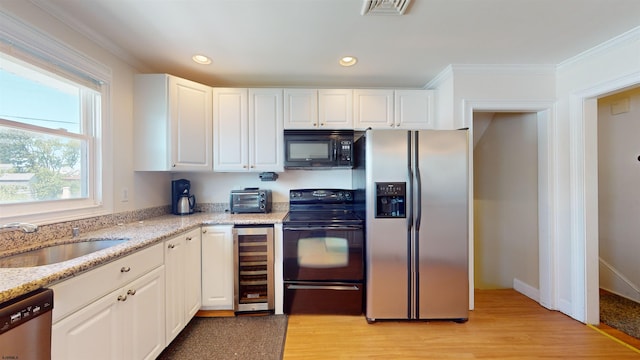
(318, 109)
(393, 109)
(414, 109)
(172, 124)
(373, 109)
(300, 108)
(230, 130)
(248, 126)
(266, 139)
(335, 108)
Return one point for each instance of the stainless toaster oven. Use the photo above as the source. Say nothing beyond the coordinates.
(250, 200)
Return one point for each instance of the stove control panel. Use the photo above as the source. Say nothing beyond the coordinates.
(321, 196)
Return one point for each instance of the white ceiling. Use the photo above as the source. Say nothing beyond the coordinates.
(298, 42)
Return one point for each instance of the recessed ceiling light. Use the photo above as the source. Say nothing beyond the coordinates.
(201, 59)
(348, 60)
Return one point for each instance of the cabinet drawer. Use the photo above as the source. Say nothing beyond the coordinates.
(76, 292)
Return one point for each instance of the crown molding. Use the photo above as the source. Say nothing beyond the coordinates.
(629, 36)
(87, 32)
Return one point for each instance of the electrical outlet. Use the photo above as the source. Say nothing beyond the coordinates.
(125, 195)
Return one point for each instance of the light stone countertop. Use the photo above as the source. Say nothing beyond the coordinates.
(17, 281)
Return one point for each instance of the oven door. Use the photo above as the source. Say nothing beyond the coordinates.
(323, 253)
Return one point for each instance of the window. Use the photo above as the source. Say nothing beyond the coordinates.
(51, 116)
(44, 139)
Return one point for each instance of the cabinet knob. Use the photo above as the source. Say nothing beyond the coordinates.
(253, 166)
(321, 124)
(174, 165)
(204, 231)
(131, 292)
(125, 269)
(122, 298)
(244, 166)
(171, 246)
(189, 238)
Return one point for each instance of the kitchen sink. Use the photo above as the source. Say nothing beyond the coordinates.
(58, 253)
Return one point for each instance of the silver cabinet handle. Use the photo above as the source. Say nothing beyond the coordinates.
(131, 292)
(125, 269)
(122, 298)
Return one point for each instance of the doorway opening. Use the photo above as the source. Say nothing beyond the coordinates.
(535, 279)
(505, 187)
(618, 206)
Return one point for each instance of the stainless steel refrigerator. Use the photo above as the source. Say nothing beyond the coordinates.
(416, 194)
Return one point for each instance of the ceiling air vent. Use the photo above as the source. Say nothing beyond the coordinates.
(384, 7)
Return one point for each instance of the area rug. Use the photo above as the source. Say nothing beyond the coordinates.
(620, 313)
(241, 337)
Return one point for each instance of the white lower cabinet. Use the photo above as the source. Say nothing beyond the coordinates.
(183, 295)
(217, 267)
(127, 323)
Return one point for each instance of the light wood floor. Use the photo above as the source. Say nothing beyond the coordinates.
(504, 325)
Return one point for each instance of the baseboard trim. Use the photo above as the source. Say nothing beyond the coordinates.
(526, 290)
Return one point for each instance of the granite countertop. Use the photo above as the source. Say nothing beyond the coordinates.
(141, 234)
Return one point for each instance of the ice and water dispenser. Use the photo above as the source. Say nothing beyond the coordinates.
(390, 200)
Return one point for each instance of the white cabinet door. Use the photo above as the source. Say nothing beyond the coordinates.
(174, 276)
(192, 273)
(373, 108)
(335, 109)
(183, 270)
(231, 131)
(266, 142)
(300, 108)
(143, 316)
(93, 332)
(217, 267)
(172, 124)
(414, 109)
(190, 113)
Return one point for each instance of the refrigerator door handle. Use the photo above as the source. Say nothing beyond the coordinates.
(418, 183)
(409, 198)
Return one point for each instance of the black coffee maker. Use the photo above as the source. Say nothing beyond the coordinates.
(182, 202)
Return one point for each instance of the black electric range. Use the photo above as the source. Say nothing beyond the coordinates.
(323, 253)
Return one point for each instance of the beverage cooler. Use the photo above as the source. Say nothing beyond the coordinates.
(254, 282)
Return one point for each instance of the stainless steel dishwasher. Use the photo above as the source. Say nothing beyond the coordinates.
(25, 326)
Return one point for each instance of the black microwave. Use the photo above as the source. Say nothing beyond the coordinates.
(318, 149)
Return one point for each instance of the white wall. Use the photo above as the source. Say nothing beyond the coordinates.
(506, 202)
(215, 187)
(618, 193)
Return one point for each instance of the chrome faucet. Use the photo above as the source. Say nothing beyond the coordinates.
(25, 227)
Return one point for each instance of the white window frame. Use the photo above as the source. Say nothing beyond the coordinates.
(29, 44)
